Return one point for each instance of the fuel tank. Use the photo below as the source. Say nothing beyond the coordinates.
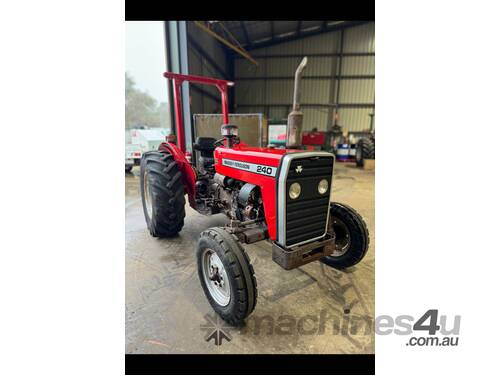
(258, 166)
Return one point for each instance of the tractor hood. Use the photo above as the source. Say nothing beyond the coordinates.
(251, 159)
(263, 167)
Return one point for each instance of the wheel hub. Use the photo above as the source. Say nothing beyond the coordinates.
(215, 278)
(342, 236)
(147, 195)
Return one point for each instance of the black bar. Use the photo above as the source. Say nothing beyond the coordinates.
(338, 363)
(136, 10)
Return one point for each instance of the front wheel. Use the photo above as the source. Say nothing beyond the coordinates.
(226, 275)
(351, 237)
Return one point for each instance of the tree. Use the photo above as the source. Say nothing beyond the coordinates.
(141, 109)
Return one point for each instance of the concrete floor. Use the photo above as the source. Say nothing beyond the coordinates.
(313, 309)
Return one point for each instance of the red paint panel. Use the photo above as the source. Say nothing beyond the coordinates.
(268, 185)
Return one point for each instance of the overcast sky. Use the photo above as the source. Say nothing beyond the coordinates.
(145, 56)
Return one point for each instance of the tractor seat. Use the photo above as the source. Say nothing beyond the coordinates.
(205, 145)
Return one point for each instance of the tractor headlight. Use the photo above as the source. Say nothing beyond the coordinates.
(323, 186)
(294, 190)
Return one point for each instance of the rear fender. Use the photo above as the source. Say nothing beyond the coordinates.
(187, 170)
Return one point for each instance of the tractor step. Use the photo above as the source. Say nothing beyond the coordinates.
(303, 254)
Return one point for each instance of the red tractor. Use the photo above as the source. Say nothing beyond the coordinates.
(279, 195)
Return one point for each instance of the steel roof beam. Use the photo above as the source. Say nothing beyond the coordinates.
(302, 34)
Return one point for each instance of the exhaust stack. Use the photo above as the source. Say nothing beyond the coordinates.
(294, 123)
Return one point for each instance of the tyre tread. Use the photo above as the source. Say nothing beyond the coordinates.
(240, 270)
(367, 150)
(359, 230)
(167, 193)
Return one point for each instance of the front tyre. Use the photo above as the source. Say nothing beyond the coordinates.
(162, 193)
(351, 237)
(226, 275)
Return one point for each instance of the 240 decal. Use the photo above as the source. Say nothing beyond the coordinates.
(250, 167)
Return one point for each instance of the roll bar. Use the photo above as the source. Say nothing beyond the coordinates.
(178, 79)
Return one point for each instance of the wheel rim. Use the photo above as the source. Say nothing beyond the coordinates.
(215, 277)
(342, 236)
(147, 196)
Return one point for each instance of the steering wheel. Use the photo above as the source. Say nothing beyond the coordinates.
(220, 142)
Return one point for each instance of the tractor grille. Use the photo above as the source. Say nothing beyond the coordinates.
(306, 216)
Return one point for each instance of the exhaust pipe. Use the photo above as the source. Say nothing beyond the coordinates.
(294, 123)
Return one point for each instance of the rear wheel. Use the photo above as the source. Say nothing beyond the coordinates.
(351, 237)
(226, 275)
(128, 168)
(365, 149)
(162, 193)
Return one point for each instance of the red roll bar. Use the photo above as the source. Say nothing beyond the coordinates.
(178, 79)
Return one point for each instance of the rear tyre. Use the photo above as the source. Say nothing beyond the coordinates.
(351, 237)
(128, 168)
(226, 275)
(162, 193)
(365, 149)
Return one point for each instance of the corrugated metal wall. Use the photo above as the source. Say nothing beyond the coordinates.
(200, 65)
(268, 88)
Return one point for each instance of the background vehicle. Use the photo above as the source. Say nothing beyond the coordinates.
(278, 194)
(139, 141)
(365, 149)
(129, 156)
